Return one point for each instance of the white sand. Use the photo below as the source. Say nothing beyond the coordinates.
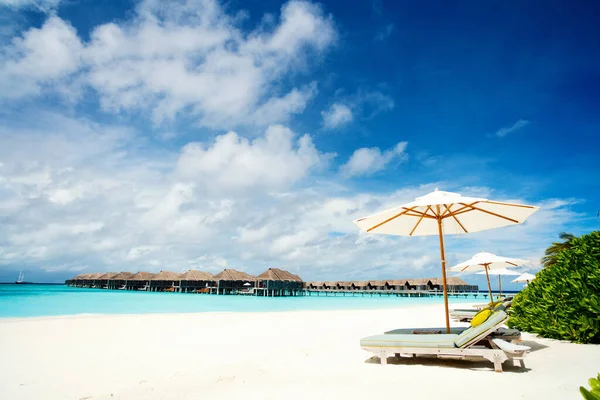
(287, 355)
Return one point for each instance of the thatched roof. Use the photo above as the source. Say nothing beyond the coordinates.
(122, 276)
(94, 276)
(378, 283)
(106, 276)
(360, 284)
(195, 275)
(79, 277)
(418, 281)
(233, 275)
(276, 274)
(451, 280)
(330, 284)
(141, 276)
(165, 276)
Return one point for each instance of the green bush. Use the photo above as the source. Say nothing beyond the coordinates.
(563, 301)
(593, 394)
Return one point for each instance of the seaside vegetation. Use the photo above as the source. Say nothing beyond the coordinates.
(563, 302)
(593, 394)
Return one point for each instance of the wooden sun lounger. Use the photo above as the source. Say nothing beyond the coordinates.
(509, 335)
(475, 343)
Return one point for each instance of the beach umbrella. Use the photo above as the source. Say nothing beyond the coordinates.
(247, 284)
(500, 273)
(487, 262)
(439, 213)
(524, 278)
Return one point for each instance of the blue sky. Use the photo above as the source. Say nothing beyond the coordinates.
(138, 136)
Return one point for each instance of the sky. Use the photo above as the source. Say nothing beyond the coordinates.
(199, 134)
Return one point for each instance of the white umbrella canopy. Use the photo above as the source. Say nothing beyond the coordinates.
(487, 262)
(526, 277)
(500, 273)
(442, 212)
(460, 215)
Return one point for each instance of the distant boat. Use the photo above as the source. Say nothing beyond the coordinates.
(21, 279)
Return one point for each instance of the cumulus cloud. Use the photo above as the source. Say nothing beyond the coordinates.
(190, 57)
(516, 126)
(367, 161)
(233, 163)
(41, 58)
(336, 115)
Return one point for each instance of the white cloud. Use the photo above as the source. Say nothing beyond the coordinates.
(516, 126)
(41, 58)
(42, 5)
(367, 161)
(188, 57)
(365, 104)
(233, 163)
(336, 115)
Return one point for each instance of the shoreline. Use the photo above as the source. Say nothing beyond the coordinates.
(182, 314)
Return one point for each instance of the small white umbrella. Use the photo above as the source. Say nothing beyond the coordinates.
(444, 212)
(486, 262)
(500, 273)
(526, 277)
(247, 284)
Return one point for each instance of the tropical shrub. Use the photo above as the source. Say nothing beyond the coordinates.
(593, 394)
(563, 301)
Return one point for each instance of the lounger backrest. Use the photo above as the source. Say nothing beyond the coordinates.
(473, 334)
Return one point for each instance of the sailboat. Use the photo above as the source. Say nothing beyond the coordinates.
(21, 279)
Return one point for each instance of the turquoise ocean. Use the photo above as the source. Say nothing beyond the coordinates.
(54, 300)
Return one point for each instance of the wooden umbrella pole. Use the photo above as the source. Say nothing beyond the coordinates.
(488, 280)
(500, 286)
(443, 256)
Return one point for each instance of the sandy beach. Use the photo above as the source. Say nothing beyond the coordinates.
(302, 354)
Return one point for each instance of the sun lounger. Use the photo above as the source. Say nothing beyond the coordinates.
(509, 335)
(468, 345)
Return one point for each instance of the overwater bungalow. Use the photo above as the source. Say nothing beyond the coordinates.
(230, 281)
(102, 281)
(164, 281)
(88, 280)
(455, 284)
(277, 282)
(344, 285)
(139, 281)
(400, 284)
(195, 281)
(119, 281)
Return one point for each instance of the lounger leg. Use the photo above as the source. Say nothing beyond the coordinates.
(497, 364)
(383, 358)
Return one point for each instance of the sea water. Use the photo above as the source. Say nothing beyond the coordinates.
(54, 300)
